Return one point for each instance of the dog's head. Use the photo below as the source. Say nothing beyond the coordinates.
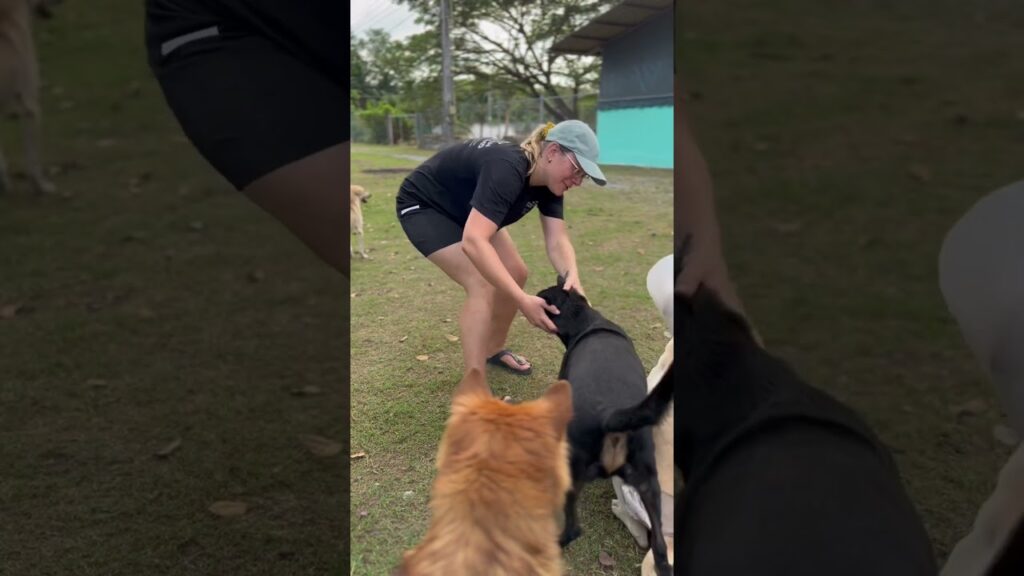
(575, 313)
(703, 316)
(496, 460)
(484, 431)
(359, 193)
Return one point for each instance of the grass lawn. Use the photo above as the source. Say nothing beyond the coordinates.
(403, 306)
(845, 138)
(149, 304)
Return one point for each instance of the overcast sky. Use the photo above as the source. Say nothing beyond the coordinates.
(398, 21)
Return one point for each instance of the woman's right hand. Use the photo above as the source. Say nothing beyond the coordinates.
(535, 309)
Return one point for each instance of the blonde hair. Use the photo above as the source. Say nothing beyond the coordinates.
(534, 145)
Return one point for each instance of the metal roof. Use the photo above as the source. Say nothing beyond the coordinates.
(590, 39)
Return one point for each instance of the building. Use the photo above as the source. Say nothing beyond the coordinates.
(634, 112)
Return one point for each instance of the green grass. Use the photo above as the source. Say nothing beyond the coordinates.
(137, 329)
(399, 404)
(813, 117)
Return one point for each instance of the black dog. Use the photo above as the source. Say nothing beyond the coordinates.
(781, 478)
(606, 375)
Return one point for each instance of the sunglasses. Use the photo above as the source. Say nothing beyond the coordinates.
(577, 169)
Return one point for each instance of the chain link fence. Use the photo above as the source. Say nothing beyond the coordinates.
(511, 119)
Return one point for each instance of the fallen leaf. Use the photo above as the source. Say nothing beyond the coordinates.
(363, 513)
(920, 172)
(1006, 435)
(169, 449)
(452, 338)
(407, 494)
(403, 338)
(423, 357)
(599, 269)
(971, 408)
(357, 455)
(787, 227)
(308, 390)
(228, 509)
(447, 320)
(355, 294)
(640, 251)
(606, 560)
(320, 446)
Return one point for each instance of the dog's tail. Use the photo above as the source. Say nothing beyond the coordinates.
(648, 412)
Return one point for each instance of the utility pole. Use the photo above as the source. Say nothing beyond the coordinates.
(447, 84)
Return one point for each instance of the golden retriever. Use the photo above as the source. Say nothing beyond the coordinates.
(19, 84)
(502, 477)
(357, 197)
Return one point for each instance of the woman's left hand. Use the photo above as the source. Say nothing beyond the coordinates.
(572, 281)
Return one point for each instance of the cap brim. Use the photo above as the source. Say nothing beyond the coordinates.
(592, 170)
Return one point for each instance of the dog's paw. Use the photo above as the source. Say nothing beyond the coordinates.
(568, 535)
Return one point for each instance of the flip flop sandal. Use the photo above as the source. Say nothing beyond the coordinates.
(496, 361)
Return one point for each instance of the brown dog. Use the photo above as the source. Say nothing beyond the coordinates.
(357, 197)
(502, 476)
(19, 84)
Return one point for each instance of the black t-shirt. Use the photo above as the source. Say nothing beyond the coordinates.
(311, 30)
(485, 174)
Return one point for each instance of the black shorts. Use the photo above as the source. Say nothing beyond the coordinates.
(428, 229)
(248, 100)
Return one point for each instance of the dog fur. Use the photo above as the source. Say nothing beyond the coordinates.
(19, 84)
(502, 477)
(607, 375)
(356, 198)
(664, 456)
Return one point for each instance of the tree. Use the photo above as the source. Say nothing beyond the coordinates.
(510, 39)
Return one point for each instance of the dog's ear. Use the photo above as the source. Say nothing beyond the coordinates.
(560, 281)
(559, 400)
(715, 319)
(681, 252)
(473, 385)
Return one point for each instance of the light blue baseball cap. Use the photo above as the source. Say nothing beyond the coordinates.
(579, 139)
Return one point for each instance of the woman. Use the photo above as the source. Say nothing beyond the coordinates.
(455, 209)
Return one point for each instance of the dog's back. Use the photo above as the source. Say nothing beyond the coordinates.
(502, 477)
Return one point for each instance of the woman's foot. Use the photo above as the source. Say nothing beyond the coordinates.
(512, 362)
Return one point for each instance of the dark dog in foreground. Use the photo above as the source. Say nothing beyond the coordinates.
(606, 376)
(775, 469)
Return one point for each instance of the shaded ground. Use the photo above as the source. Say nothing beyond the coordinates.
(845, 139)
(148, 307)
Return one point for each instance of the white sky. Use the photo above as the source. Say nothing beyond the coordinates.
(398, 21)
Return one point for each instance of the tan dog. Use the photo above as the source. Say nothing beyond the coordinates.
(19, 84)
(664, 455)
(357, 197)
(502, 476)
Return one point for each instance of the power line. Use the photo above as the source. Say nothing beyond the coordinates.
(375, 12)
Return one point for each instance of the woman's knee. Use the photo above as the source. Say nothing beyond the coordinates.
(479, 289)
(519, 272)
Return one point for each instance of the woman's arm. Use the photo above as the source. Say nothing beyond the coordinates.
(695, 214)
(476, 244)
(560, 251)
